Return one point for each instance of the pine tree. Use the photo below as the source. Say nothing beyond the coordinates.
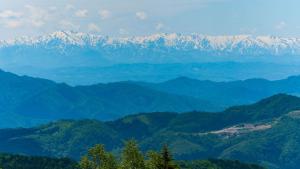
(167, 161)
(132, 158)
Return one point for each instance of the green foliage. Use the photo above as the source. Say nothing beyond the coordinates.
(98, 158)
(167, 160)
(162, 160)
(132, 158)
(25, 162)
(85, 163)
(154, 160)
(200, 164)
(233, 164)
(217, 164)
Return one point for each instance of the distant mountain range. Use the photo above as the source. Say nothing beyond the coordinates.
(226, 94)
(217, 71)
(27, 101)
(266, 132)
(156, 48)
(79, 58)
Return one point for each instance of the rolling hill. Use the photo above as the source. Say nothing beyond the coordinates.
(246, 133)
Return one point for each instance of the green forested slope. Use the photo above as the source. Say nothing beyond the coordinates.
(265, 132)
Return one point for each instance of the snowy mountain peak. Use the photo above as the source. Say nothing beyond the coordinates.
(237, 45)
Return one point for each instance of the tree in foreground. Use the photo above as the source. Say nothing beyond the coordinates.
(132, 158)
(167, 161)
(162, 160)
(98, 158)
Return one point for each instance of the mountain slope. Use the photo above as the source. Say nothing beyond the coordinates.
(26, 101)
(246, 133)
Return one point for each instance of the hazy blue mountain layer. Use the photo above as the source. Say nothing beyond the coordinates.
(217, 71)
(229, 93)
(26, 101)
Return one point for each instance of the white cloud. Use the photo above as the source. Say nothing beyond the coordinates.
(68, 25)
(13, 24)
(11, 19)
(92, 27)
(81, 13)
(37, 16)
(104, 14)
(141, 15)
(159, 26)
(281, 25)
(10, 14)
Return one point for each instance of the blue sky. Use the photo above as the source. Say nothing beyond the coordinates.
(144, 17)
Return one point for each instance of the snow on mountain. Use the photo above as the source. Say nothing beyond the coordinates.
(240, 44)
(81, 58)
(72, 49)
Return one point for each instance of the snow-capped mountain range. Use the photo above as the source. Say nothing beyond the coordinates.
(81, 58)
(223, 45)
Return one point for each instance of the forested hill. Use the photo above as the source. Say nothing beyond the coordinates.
(245, 133)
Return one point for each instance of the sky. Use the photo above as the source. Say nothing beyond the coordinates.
(145, 17)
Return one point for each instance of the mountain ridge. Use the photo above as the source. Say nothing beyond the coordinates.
(228, 93)
(192, 41)
(95, 50)
(30, 101)
(27, 101)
